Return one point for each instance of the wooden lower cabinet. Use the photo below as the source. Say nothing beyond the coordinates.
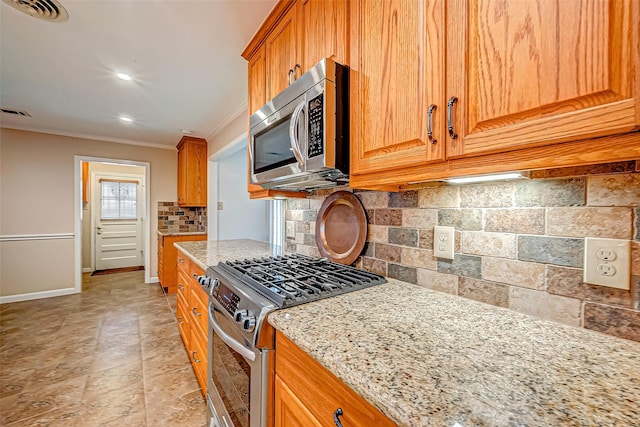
(192, 318)
(290, 411)
(167, 255)
(307, 394)
(198, 357)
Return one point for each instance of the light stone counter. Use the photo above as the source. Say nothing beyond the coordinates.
(426, 358)
(209, 253)
(181, 233)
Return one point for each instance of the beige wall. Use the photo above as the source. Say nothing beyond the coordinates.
(227, 134)
(37, 197)
(86, 211)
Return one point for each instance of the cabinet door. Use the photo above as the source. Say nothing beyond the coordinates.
(280, 53)
(196, 175)
(257, 98)
(537, 72)
(396, 59)
(290, 412)
(182, 174)
(323, 24)
(257, 77)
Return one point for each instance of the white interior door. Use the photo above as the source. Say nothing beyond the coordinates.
(118, 205)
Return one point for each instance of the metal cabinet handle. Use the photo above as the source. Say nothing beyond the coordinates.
(194, 310)
(195, 276)
(337, 414)
(180, 286)
(195, 359)
(295, 75)
(181, 261)
(291, 71)
(450, 104)
(432, 140)
(180, 321)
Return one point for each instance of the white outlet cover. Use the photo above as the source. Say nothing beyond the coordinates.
(607, 262)
(443, 242)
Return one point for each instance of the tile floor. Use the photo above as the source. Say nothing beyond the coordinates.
(110, 356)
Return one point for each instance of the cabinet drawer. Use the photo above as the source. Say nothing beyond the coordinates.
(183, 263)
(182, 317)
(198, 357)
(198, 309)
(183, 284)
(194, 269)
(322, 392)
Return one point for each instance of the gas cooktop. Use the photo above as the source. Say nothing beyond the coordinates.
(294, 279)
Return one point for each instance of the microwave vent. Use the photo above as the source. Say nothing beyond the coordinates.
(47, 10)
(15, 112)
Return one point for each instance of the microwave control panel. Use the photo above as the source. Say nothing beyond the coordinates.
(316, 126)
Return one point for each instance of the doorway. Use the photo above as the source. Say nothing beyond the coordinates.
(117, 217)
(84, 229)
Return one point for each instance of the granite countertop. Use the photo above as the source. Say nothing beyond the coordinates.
(209, 253)
(426, 358)
(181, 233)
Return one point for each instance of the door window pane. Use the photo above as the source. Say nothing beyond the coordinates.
(118, 200)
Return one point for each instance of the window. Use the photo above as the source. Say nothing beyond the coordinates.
(118, 199)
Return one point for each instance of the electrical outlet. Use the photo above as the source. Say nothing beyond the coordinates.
(443, 242)
(607, 262)
(220, 206)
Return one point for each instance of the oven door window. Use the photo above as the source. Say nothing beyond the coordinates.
(231, 376)
(272, 148)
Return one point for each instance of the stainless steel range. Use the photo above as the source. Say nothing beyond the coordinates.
(241, 295)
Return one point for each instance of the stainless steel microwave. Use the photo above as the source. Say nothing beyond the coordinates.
(299, 140)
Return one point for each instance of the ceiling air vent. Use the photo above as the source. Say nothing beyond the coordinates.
(15, 112)
(47, 10)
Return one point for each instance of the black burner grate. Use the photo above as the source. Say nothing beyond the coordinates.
(296, 279)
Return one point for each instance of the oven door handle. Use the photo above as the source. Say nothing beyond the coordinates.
(293, 128)
(228, 339)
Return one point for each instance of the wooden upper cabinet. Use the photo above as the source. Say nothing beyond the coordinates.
(323, 31)
(397, 55)
(192, 171)
(257, 81)
(537, 72)
(281, 54)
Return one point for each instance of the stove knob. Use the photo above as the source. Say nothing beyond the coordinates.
(203, 280)
(240, 315)
(249, 324)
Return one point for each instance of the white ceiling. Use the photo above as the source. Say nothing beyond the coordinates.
(184, 57)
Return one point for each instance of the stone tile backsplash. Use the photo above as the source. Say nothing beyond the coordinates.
(519, 244)
(175, 219)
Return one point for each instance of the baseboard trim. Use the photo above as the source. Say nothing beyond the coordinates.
(87, 270)
(153, 280)
(37, 295)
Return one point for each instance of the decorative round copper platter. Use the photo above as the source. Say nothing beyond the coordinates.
(341, 227)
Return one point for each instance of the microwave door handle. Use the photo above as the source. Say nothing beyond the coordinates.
(293, 127)
(228, 339)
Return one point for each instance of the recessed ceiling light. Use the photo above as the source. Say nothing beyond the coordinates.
(126, 119)
(123, 76)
